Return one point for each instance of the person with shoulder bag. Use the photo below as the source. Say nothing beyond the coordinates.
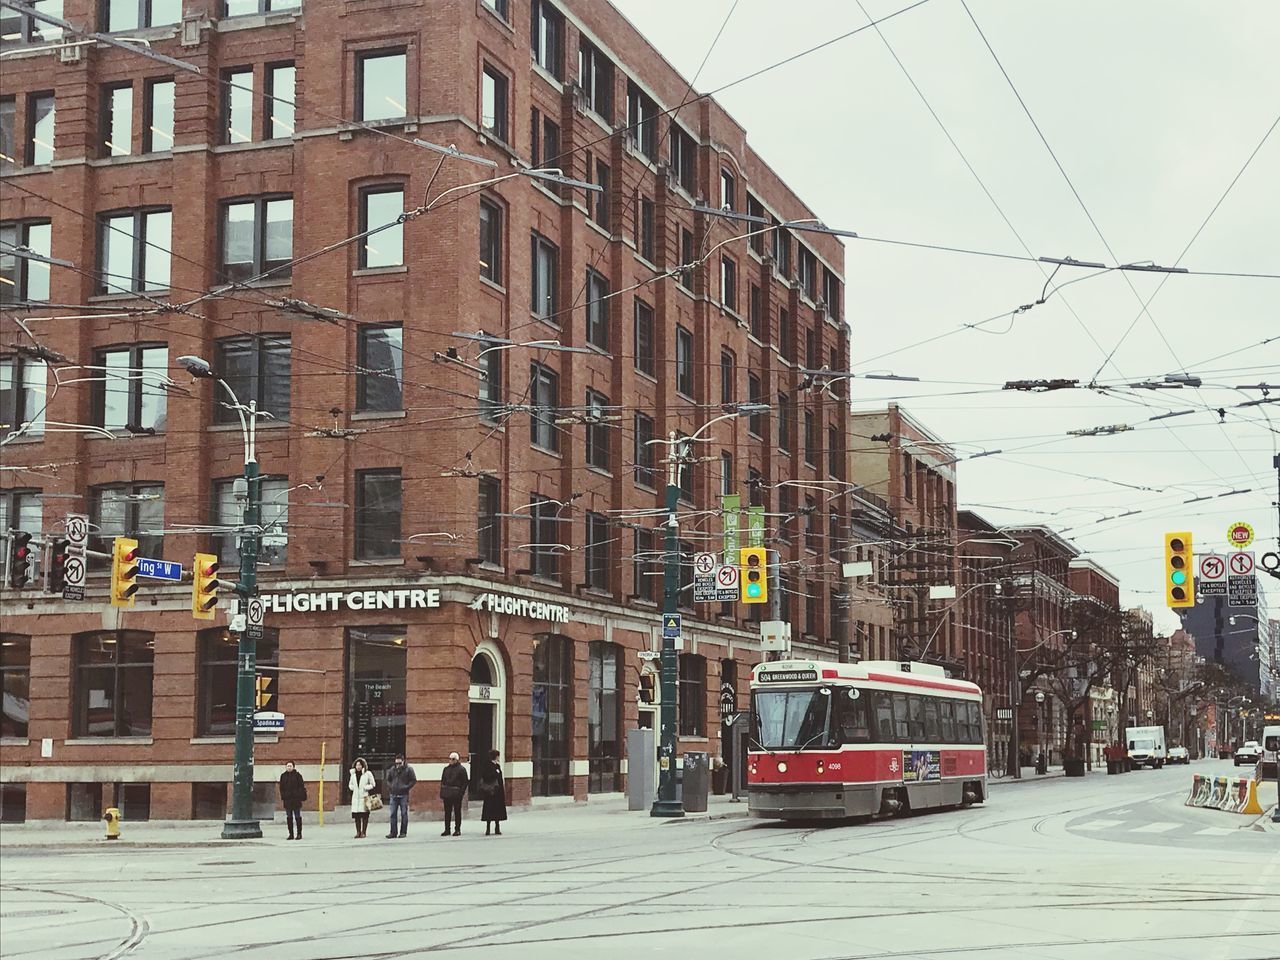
(364, 795)
(494, 793)
(293, 794)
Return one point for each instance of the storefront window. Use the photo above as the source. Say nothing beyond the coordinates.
(217, 686)
(552, 715)
(15, 684)
(112, 695)
(604, 720)
(375, 701)
(692, 695)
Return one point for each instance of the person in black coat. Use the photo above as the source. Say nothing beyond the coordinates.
(453, 790)
(494, 793)
(293, 794)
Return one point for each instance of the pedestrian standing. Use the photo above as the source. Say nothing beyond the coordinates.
(361, 784)
(293, 794)
(494, 792)
(400, 780)
(453, 790)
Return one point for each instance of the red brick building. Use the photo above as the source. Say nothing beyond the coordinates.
(460, 547)
(986, 624)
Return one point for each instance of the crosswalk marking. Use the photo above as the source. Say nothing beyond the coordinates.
(1121, 813)
(1099, 824)
(1156, 827)
(1215, 832)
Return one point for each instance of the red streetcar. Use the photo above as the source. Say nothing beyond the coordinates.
(835, 740)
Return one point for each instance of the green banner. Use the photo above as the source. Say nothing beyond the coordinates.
(755, 526)
(730, 503)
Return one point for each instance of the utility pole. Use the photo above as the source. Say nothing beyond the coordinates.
(667, 803)
(1015, 682)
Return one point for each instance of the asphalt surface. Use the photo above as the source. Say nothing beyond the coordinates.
(1053, 870)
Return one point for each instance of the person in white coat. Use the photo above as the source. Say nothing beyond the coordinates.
(361, 784)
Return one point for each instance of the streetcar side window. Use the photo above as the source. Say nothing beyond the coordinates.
(962, 723)
(975, 722)
(947, 710)
(916, 726)
(884, 718)
(900, 731)
(852, 716)
(931, 732)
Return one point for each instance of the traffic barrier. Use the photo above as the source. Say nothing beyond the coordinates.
(1231, 795)
(1200, 788)
(1251, 804)
(1218, 797)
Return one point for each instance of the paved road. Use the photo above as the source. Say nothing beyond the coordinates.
(1056, 870)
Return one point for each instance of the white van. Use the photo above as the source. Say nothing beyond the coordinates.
(1270, 750)
(1146, 747)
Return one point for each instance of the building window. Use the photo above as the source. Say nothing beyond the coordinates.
(116, 122)
(642, 121)
(18, 28)
(381, 209)
(378, 514)
(784, 423)
(547, 38)
(157, 116)
(257, 239)
(728, 190)
(217, 669)
(22, 279)
(380, 374)
(646, 232)
(489, 521)
(493, 103)
(598, 542)
(756, 209)
(644, 347)
(552, 715)
(786, 342)
(23, 395)
(490, 241)
(908, 469)
(834, 544)
(595, 76)
(811, 526)
(545, 279)
(597, 430)
(133, 510)
(727, 374)
(729, 284)
(646, 569)
(684, 361)
(726, 473)
(120, 15)
(755, 311)
(833, 452)
(812, 605)
(544, 400)
(237, 105)
(755, 396)
(112, 688)
(21, 510)
(597, 310)
(687, 259)
(490, 363)
(810, 439)
(15, 684)
(40, 129)
(683, 158)
(133, 250)
(598, 200)
(807, 272)
(545, 136)
(8, 133)
(685, 469)
(239, 8)
(544, 537)
(755, 487)
(787, 509)
(498, 6)
(693, 695)
(381, 84)
(277, 104)
(811, 356)
(273, 515)
(131, 394)
(831, 293)
(256, 368)
(604, 717)
(644, 450)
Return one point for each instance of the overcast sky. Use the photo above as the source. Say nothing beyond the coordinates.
(1152, 107)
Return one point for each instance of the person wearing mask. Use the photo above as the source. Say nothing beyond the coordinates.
(400, 779)
(362, 785)
(453, 791)
(494, 793)
(293, 794)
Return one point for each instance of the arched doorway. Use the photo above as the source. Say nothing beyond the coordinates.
(487, 696)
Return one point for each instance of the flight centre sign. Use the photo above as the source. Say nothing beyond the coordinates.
(408, 598)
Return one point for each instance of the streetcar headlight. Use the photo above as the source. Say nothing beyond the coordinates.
(782, 766)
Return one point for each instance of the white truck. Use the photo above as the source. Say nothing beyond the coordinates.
(1146, 747)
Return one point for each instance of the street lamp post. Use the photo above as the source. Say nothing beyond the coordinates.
(667, 803)
(242, 825)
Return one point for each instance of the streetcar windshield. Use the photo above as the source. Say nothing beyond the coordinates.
(793, 719)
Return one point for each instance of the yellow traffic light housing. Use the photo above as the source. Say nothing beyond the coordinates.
(753, 564)
(1179, 580)
(204, 586)
(263, 696)
(124, 571)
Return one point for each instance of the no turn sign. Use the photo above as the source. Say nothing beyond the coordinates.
(1213, 576)
(1241, 564)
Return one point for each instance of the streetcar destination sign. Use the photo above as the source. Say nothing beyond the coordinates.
(786, 676)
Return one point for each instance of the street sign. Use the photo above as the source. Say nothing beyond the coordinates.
(704, 577)
(77, 527)
(268, 721)
(648, 655)
(255, 617)
(726, 582)
(73, 573)
(728, 700)
(1241, 564)
(160, 569)
(1242, 585)
(1240, 535)
(1004, 713)
(704, 564)
(670, 626)
(1213, 575)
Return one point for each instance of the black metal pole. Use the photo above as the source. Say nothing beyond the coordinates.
(668, 804)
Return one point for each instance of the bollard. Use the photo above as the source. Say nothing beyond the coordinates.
(112, 816)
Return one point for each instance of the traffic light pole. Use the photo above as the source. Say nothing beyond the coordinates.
(667, 803)
(241, 825)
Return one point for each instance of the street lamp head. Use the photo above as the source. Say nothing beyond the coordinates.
(197, 367)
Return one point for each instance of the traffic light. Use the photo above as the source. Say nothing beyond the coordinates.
(648, 687)
(1179, 584)
(19, 559)
(264, 692)
(57, 566)
(124, 571)
(204, 586)
(754, 578)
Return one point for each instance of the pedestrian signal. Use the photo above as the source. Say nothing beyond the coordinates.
(648, 688)
(263, 692)
(754, 577)
(124, 571)
(204, 586)
(1179, 582)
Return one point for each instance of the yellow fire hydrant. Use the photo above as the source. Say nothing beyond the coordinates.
(112, 816)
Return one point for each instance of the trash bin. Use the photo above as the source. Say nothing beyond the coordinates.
(696, 780)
